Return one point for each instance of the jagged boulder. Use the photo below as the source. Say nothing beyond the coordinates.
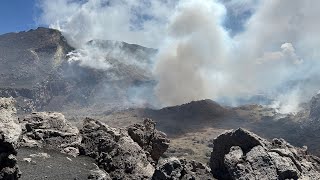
(50, 130)
(151, 140)
(9, 169)
(174, 168)
(115, 151)
(8, 120)
(241, 154)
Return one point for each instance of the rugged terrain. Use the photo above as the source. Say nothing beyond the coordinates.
(101, 112)
(97, 151)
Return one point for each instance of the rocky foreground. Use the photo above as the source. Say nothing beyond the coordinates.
(136, 152)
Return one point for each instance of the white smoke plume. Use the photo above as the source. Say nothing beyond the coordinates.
(276, 52)
(189, 65)
(133, 21)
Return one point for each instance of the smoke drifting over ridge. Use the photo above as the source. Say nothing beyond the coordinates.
(275, 52)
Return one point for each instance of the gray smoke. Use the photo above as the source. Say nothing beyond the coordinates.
(274, 55)
(204, 52)
(189, 65)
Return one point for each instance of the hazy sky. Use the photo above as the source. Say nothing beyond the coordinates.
(22, 15)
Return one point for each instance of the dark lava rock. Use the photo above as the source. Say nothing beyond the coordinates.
(50, 130)
(151, 140)
(9, 169)
(114, 151)
(175, 169)
(240, 154)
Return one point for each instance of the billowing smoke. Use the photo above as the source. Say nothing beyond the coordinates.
(207, 48)
(189, 66)
(274, 55)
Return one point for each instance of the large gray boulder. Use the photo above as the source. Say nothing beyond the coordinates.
(240, 154)
(50, 130)
(115, 151)
(176, 169)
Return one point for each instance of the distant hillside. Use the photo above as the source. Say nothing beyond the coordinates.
(35, 70)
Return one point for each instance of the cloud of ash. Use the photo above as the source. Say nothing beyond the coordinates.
(207, 48)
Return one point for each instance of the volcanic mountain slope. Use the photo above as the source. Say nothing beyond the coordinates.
(35, 70)
(28, 58)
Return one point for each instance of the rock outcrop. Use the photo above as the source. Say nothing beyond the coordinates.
(174, 168)
(134, 152)
(50, 130)
(8, 121)
(115, 151)
(9, 169)
(154, 142)
(240, 154)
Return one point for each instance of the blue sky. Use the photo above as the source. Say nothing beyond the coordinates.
(17, 15)
(20, 15)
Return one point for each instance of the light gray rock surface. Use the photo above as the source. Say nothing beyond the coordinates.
(240, 154)
(8, 120)
(50, 130)
(10, 131)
